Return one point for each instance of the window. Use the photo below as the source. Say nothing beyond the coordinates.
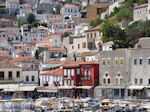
(135, 61)
(109, 62)
(121, 81)
(91, 35)
(72, 82)
(94, 34)
(65, 82)
(69, 74)
(92, 11)
(116, 80)
(148, 81)
(78, 71)
(116, 62)
(65, 72)
(84, 72)
(72, 72)
(104, 81)
(10, 75)
(68, 82)
(87, 35)
(141, 60)
(149, 61)
(135, 81)
(27, 78)
(141, 81)
(33, 78)
(108, 80)
(18, 74)
(72, 47)
(103, 62)
(89, 72)
(121, 61)
(78, 46)
(84, 45)
(89, 11)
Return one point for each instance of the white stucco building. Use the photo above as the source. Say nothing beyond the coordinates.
(54, 77)
(12, 4)
(70, 10)
(141, 13)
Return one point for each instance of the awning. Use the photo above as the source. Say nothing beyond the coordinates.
(21, 88)
(110, 87)
(136, 87)
(47, 90)
(84, 87)
(66, 87)
(147, 87)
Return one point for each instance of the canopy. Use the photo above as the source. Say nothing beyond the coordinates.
(20, 88)
(47, 90)
(110, 87)
(65, 87)
(136, 87)
(84, 87)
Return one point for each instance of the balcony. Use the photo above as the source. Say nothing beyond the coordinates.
(85, 78)
(7, 80)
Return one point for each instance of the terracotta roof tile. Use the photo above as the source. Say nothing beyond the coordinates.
(53, 72)
(8, 65)
(143, 5)
(45, 41)
(95, 28)
(70, 5)
(56, 49)
(107, 43)
(88, 54)
(23, 59)
(100, 5)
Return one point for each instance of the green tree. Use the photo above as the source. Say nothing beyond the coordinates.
(20, 22)
(31, 18)
(142, 2)
(36, 54)
(112, 32)
(66, 17)
(35, 24)
(58, 7)
(94, 23)
(137, 30)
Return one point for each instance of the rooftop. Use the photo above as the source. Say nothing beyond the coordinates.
(88, 54)
(100, 5)
(53, 72)
(23, 59)
(8, 65)
(141, 6)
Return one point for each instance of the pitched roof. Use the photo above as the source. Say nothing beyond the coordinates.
(8, 65)
(54, 18)
(108, 43)
(88, 54)
(52, 36)
(58, 62)
(140, 6)
(95, 28)
(70, 5)
(25, 4)
(56, 49)
(45, 41)
(13, 0)
(53, 72)
(72, 64)
(100, 5)
(23, 59)
(19, 51)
